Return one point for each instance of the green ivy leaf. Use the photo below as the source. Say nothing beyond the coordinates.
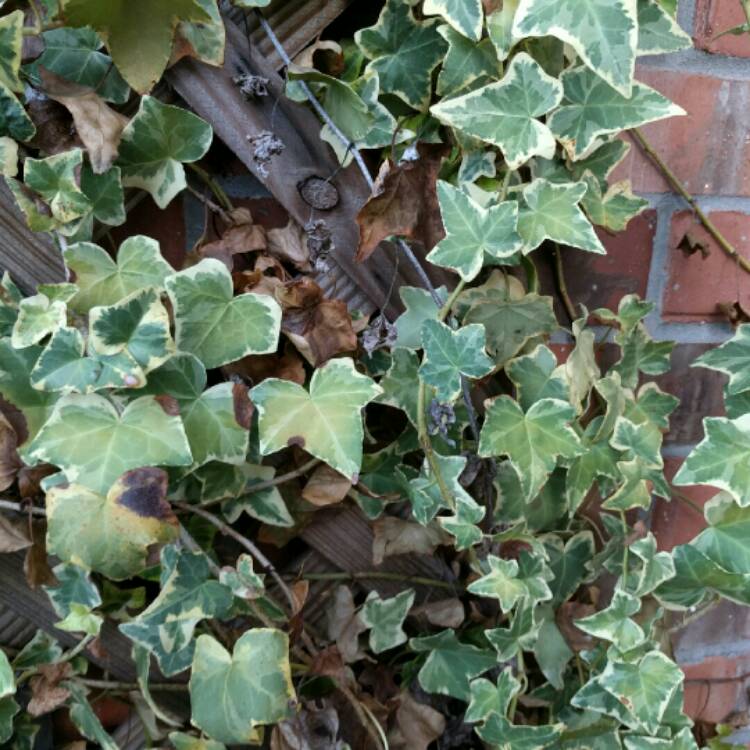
(504, 114)
(733, 359)
(102, 281)
(84, 718)
(111, 534)
(592, 109)
(488, 698)
(501, 582)
(106, 198)
(462, 525)
(603, 32)
(183, 741)
(520, 636)
(724, 539)
(7, 680)
(267, 505)
(212, 323)
(403, 52)
(16, 366)
(465, 62)
(55, 179)
(449, 355)
(11, 42)
(614, 623)
(38, 317)
(551, 212)
(450, 664)
(420, 306)
(74, 598)
(188, 595)
(656, 567)
(142, 660)
(465, 16)
(41, 649)
(536, 376)
(424, 491)
(399, 381)
(94, 444)
(658, 31)
(140, 50)
(8, 157)
(14, 121)
(503, 735)
(326, 422)
(645, 687)
(156, 143)
(77, 56)
(135, 329)
(570, 563)
(385, 618)
(614, 209)
(250, 687)
(511, 323)
(500, 28)
(532, 441)
(472, 231)
(62, 366)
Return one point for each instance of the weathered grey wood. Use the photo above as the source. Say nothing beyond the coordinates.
(30, 258)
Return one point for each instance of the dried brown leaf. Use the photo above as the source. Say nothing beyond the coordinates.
(446, 613)
(396, 537)
(324, 54)
(344, 625)
(10, 463)
(417, 725)
(312, 728)
(404, 202)
(13, 535)
(257, 368)
(36, 565)
(326, 487)
(244, 238)
(290, 244)
(98, 125)
(46, 692)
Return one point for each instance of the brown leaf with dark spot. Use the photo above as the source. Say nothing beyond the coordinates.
(245, 238)
(392, 536)
(404, 202)
(144, 491)
(258, 367)
(36, 565)
(10, 463)
(99, 126)
(417, 725)
(243, 406)
(46, 692)
(326, 487)
(13, 535)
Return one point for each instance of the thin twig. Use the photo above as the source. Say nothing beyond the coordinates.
(22, 508)
(227, 530)
(675, 182)
(214, 186)
(377, 575)
(281, 479)
(165, 687)
(562, 285)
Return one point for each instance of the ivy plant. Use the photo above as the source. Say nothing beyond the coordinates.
(140, 406)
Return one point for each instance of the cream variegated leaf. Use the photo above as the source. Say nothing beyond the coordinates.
(326, 420)
(465, 63)
(63, 367)
(465, 16)
(604, 33)
(505, 113)
(11, 42)
(38, 317)
(385, 618)
(658, 32)
(55, 180)
(500, 27)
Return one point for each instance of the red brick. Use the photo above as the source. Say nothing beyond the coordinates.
(696, 285)
(708, 149)
(712, 17)
(676, 522)
(603, 280)
(716, 688)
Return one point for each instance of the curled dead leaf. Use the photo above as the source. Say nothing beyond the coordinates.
(46, 692)
(324, 55)
(396, 537)
(446, 613)
(313, 728)
(36, 565)
(244, 238)
(417, 725)
(326, 487)
(10, 463)
(290, 244)
(344, 625)
(13, 535)
(257, 368)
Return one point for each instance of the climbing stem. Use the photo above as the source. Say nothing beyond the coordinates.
(678, 186)
(562, 285)
(213, 186)
(379, 575)
(426, 443)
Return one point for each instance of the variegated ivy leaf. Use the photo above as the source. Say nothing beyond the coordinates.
(462, 525)
(733, 359)
(465, 16)
(658, 31)
(38, 317)
(206, 40)
(615, 623)
(398, 383)
(140, 50)
(55, 179)
(465, 63)
(111, 534)
(640, 441)
(8, 157)
(77, 55)
(180, 740)
(188, 595)
(251, 3)
(644, 687)
(242, 578)
(267, 505)
(500, 28)
(62, 366)
(510, 323)
(420, 306)
(592, 109)
(212, 323)
(472, 231)
(10, 298)
(683, 740)
(488, 698)
(503, 735)
(501, 582)
(106, 199)
(450, 355)
(84, 718)
(134, 330)
(74, 598)
(570, 563)
(614, 209)
(326, 421)
(385, 618)
(233, 694)
(520, 636)
(475, 164)
(102, 281)
(16, 366)
(598, 459)
(41, 649)
(403, 52)
(656, 567)
(551, 212)
(504, 114)
(424, 492)
(537, 376)
(216, 420)
(532, 441)
(451, 665)
(94, 443)
(14, 121)
(603, 32)
(11, 41)
(156, 143)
